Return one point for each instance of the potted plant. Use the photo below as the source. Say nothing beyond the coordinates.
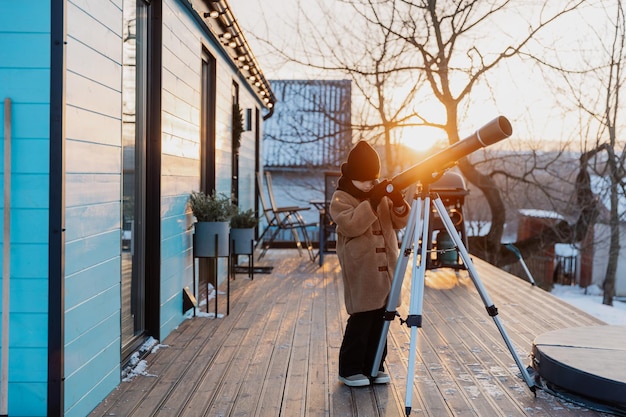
(212, 213)
(242, 225)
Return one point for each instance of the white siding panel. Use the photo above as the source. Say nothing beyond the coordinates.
(92, 158)
(90, 23)
(91, 64)
(93, 174)
(92, 189)
(186, 92)
(178, 146)
(85, 28)
(90, 95)
(85, 125)
(183, 110)
(105, 12)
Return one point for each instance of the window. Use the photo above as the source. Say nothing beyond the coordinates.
(134, 78)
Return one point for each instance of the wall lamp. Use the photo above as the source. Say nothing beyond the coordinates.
(213, 13)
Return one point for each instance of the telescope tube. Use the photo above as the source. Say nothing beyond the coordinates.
(432, 167)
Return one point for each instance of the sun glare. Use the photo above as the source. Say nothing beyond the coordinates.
(421, 138)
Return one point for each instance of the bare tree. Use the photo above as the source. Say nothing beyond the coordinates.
(601, 123)
(615, 157)
(440, 51)
(447, 35)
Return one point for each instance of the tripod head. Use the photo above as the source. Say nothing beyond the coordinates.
(432, 167)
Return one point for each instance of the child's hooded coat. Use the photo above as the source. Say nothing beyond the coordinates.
(367, 248)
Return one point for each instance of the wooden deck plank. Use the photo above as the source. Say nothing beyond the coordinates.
(276, 354)
(472, 363)
(341, 403)
(127, 401)
(317, 403)
(271, 399)
(433, 350)
(208, 363)
(247, 398)
(294, 394)
(223, 376)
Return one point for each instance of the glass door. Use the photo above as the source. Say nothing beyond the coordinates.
(133, 173)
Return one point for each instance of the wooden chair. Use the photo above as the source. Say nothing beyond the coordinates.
(281, 218)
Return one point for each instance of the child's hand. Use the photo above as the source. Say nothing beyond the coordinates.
(377, 193)
(397, 197)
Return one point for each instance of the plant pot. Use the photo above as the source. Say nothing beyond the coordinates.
(204, 239)
(243, 241)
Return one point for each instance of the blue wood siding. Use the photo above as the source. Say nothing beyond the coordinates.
(93, 202)
(24, 78)
(93, 163)
(182, 46)
(180, 172)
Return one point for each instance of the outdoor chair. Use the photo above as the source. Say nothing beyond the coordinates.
(281, 218)
(327, 227)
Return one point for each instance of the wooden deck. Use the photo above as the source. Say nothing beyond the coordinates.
(276, 353)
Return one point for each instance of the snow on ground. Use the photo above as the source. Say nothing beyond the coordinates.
(137, 366)
(589, 300)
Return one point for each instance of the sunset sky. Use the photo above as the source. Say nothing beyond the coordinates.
(538, 107)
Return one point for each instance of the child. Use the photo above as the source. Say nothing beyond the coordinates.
(367, 248)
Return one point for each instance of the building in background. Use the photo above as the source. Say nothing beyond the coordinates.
(309, 133)
(311, 127)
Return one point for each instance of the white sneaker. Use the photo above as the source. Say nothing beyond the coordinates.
(358, 380)
(381, 378)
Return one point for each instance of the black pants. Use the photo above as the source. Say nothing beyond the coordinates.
(360, 343)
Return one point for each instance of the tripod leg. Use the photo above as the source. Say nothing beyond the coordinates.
(398, 277)
(491, 309)
(414, 319)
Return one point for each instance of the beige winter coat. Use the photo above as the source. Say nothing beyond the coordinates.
(367, 248)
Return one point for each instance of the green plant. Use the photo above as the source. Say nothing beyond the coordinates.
(211, 208)
(237, 125)
(244, 220)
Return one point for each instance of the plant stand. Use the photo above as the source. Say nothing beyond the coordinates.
(215, 274)
(242, 243)
(235, 256)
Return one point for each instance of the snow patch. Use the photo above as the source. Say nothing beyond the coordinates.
(137, 366)
(589, 300)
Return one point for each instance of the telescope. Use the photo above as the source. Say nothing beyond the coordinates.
(432, 167)
(418, 230)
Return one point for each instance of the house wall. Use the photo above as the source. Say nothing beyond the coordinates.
(540, 265)
(24, 78)
(183, 40)
(93, 159)
(93, 164)
(180, 165)
(600, 258)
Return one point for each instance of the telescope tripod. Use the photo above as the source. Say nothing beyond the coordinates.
(417, 236)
